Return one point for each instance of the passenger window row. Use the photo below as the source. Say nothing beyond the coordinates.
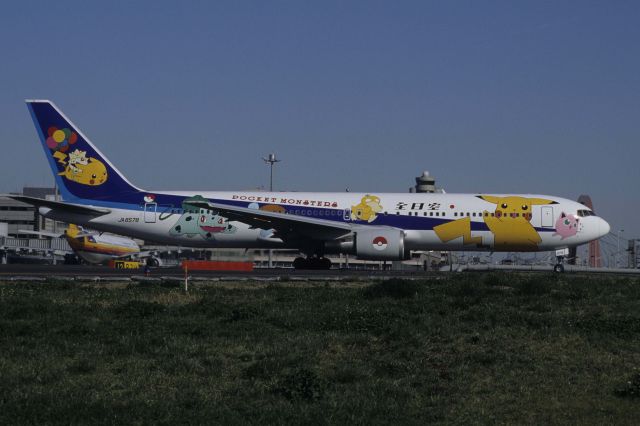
(430, 214)
(474, 214)
(315, 212)
(585, 213)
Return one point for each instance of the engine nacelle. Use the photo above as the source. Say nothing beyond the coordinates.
(376, 243)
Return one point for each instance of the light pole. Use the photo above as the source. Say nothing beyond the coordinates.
(271, 160)
(618, 251)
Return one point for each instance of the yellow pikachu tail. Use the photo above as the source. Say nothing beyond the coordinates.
(456, 229)
(60, 156)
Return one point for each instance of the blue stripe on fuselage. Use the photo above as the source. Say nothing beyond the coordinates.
(173, 204)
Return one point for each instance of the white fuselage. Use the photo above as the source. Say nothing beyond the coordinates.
(491, 225)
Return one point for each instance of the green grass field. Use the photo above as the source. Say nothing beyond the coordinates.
(463, 349)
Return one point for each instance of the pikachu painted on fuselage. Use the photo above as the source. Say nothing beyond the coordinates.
(510, 221)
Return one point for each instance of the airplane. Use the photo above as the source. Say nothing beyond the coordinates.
(375, 226)
(97, 248)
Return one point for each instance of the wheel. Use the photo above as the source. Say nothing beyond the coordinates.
(314, 263)
(311, 263)
(325, 263)
(559, 268)
(299, 263)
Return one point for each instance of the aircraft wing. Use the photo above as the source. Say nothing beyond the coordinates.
(42, 233)
(286, 225)
(60, 206)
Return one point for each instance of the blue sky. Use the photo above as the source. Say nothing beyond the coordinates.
(500, 96)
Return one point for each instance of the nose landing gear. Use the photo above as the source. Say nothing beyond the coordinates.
(559, 267)
(317, 263)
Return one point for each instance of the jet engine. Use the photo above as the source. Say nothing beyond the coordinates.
(377, 243)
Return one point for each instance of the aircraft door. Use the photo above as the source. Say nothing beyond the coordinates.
(347, 215)
(547, 216)
(150, 212)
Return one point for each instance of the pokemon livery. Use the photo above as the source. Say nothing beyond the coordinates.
(370, 226)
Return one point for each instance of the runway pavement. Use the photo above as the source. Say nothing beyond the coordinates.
(105, 272)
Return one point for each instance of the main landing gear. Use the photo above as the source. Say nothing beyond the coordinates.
(319, 263)
(559, 267)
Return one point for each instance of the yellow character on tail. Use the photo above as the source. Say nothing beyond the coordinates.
(367, 209)
(79, 168)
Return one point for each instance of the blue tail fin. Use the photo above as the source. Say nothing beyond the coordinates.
(80, 169)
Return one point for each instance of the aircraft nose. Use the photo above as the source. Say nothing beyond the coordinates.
(603, 227)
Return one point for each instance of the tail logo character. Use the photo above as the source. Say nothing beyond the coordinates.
(367, 209)
(80, 169)
(77, 167)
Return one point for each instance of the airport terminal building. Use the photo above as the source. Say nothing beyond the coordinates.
(17, 216)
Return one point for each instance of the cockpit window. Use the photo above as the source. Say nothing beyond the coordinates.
(585, 213)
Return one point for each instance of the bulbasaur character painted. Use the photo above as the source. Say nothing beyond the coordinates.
(196, 221)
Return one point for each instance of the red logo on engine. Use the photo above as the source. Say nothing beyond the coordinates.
(380, 243)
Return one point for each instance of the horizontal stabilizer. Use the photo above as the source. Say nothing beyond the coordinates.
(60, 206)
